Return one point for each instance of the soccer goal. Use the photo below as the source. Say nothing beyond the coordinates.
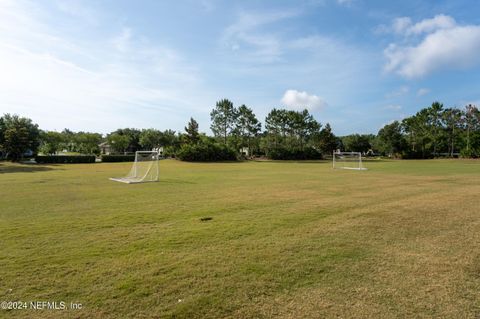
(348, 160)
(144, 169)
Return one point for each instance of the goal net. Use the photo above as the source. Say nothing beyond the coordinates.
(348, 160)
(144, 169)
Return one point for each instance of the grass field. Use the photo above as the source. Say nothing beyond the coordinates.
(286, 239)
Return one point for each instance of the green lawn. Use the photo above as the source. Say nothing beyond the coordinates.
(286, 239)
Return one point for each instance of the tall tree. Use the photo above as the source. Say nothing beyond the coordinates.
(303, 126)
(452, 118)
(327, 141)
(19, 135)
(391, 140)
(276, 124)
(291, 128)
(223, 118)
(434, 118)
(472, 124)
(247, 126)
(192, 136)
(417, 129)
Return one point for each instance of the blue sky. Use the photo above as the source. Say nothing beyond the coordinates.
(357, 64)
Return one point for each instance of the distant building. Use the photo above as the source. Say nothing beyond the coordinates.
(244, 151)
(105, 148)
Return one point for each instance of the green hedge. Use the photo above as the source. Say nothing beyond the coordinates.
(64, 159)
(206, 152)
(118, 158)
(308, 153)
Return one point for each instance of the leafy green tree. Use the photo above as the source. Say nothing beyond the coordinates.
(151, 138)
(170, 138)
(69, 142)
(247, 126)
(357, 143)
(133, 136)
(51, 142)
(18, 135)
(223, 118)
(391, 139)
(87, 143)
(192, 136)
(327, 141)
(119, 142)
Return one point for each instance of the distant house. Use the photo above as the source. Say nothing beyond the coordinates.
(245, 151)
(105, 148)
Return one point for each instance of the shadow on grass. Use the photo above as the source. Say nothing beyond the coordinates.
(24, 168)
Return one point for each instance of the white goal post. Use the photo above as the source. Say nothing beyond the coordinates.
(348, 160)
(144, 169)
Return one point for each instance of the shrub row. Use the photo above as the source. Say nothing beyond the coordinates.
(308, 153)
(118, 158)
(206, 152)
(63, 159)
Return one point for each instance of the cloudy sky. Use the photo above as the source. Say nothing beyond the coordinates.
(357, 64)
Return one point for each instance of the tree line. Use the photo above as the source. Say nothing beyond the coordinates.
(287, 134)
(432, 132)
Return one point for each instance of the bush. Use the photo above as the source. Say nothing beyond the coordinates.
(118, 158)
(64, 159)
(469, 154)
(169, 152)
(416, 155)
(206, 152)
(308, 153)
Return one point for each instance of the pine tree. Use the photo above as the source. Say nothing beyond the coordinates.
(192, 136)
(247, 126)
(223, 118)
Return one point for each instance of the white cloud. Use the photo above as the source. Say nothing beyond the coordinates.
(445, 45)
(300, 100)
(405, 26)
(438, 22)
(422, 92)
